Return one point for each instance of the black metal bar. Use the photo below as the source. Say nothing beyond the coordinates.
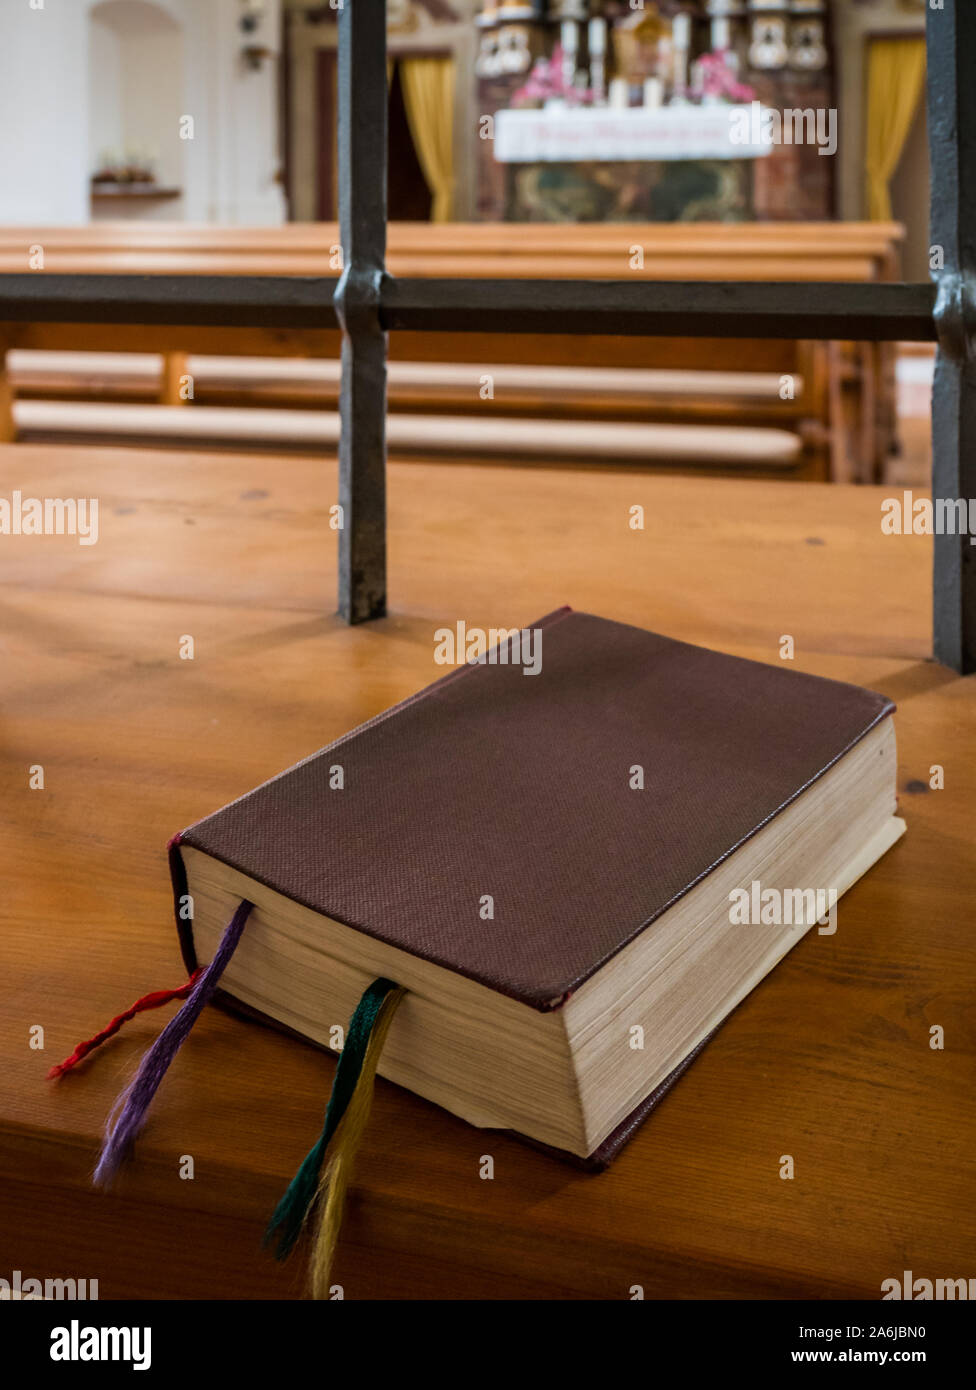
(742, 309)
(236, 301)
(669, 308)
(362, 140)
(951, 39)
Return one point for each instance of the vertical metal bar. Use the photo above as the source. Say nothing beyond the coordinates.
(951, 40)
(362, 131)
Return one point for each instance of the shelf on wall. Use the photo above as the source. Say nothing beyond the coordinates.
(134, 190)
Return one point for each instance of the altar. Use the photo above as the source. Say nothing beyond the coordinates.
(659, 114)
(661, 164)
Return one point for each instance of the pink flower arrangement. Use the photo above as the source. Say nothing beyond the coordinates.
(546, 81)
(718, 79)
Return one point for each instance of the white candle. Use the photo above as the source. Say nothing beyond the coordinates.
(721, 34)
(653, 91)
(619, 92)
(568, 39)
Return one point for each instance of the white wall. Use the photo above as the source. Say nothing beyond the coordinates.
(136, 96)
(80, 76)
(43, 112)
(104, 92)
(242, 134)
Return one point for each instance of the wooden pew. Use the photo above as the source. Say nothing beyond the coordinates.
(708, 251)
(229, 390)
(831, 382)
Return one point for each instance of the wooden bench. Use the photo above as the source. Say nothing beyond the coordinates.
(753, 250)
(841, 408)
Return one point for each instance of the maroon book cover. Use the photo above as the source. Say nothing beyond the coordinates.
(514, 781)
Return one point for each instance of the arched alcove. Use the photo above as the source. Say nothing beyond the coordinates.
(136, 59)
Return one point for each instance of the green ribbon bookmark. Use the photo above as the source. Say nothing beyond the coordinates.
(286, 1224)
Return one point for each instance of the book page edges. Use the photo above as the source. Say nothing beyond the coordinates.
(609, 1145)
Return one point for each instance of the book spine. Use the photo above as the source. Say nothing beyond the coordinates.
(181, 895)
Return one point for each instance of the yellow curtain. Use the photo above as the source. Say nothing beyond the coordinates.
(428, 95)
(896, 76)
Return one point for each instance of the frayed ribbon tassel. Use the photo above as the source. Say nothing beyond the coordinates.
(148, 1001)
(345, 1122)
(346, 1116)
(129, 1112)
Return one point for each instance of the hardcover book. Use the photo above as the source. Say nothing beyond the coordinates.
(575, 872)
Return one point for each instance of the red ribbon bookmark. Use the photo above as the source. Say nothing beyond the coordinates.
(148, 1001)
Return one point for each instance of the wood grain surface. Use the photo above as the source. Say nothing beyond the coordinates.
(828, 1060)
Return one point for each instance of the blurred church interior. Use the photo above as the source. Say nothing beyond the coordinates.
(543, 138)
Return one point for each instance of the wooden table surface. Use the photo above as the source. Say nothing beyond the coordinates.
(828, 1060)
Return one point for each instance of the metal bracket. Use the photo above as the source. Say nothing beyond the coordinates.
(955, 316)
(357, 300)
